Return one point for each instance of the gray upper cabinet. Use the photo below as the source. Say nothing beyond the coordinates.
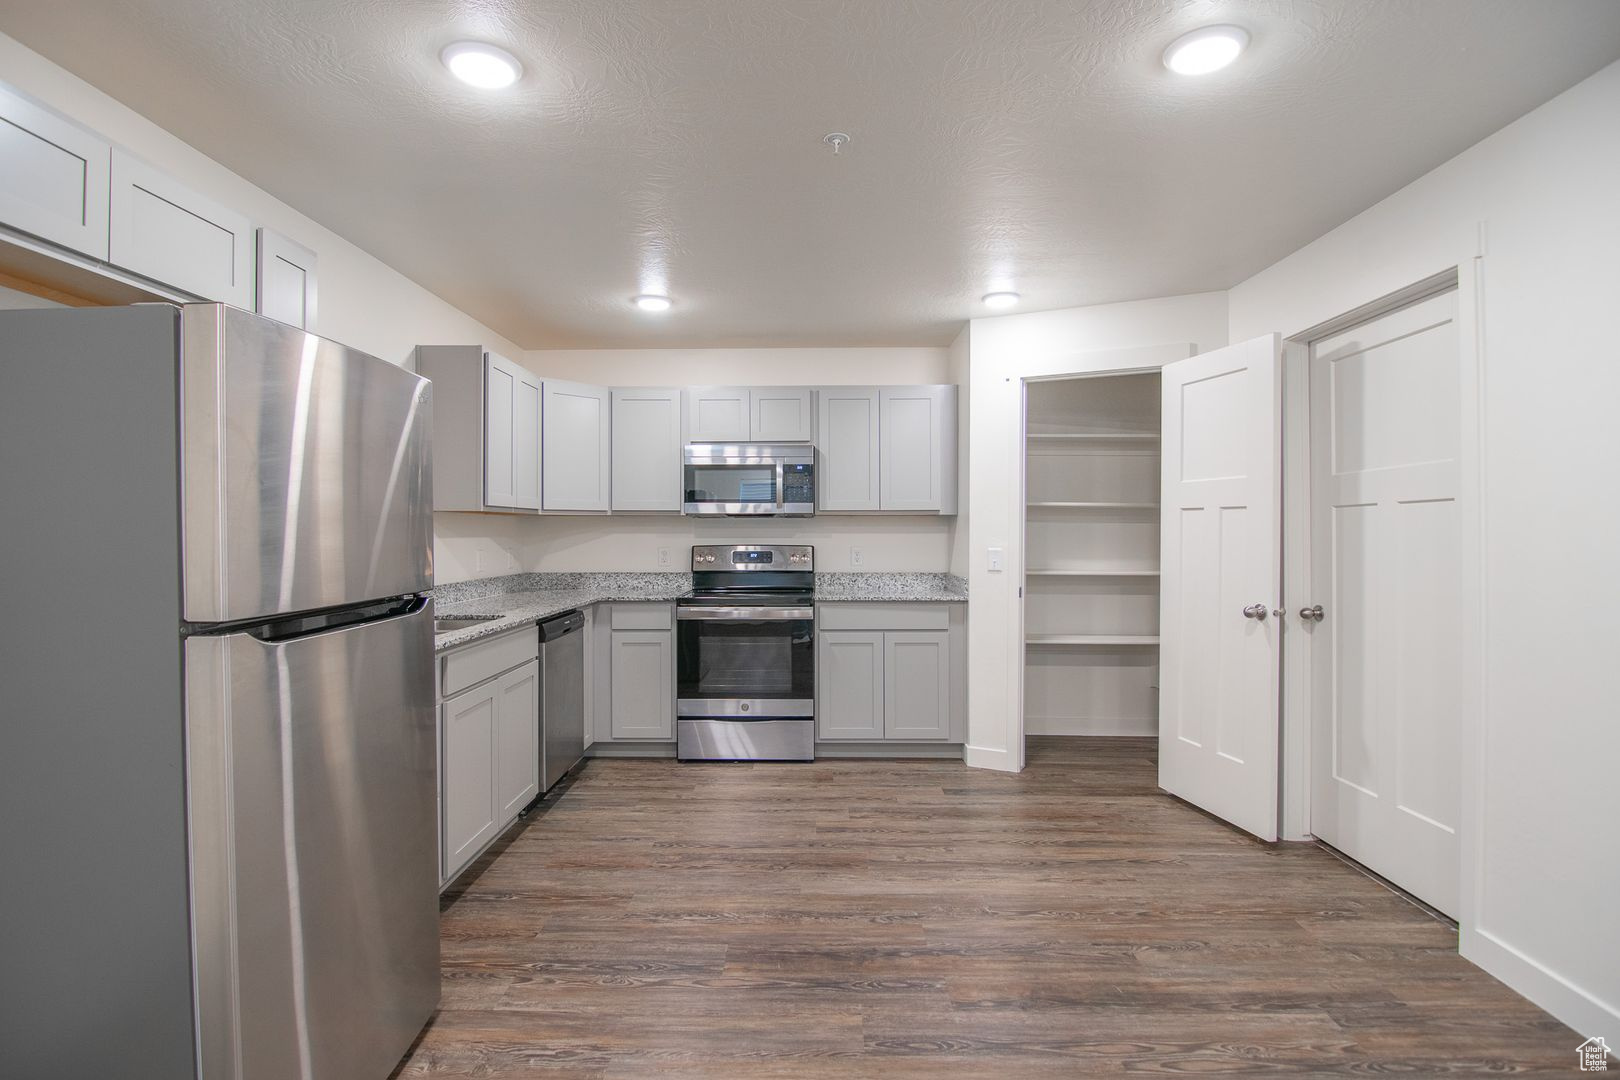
(285, 281)
(918, 449)
(717, 414)
(55, 177)
(161, 229)
(847, 444)
(731, 414)
(781, 414)
(486, 429)
(578, 447)
(647, 449)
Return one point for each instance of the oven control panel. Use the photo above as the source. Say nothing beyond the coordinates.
(753, 557)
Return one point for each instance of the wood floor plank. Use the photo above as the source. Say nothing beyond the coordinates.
(917, 919)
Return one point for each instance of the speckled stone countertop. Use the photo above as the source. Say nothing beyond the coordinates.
(519, 599)
(890, 586)
(527, 598)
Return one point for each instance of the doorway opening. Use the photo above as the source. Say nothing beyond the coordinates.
(1091, 556)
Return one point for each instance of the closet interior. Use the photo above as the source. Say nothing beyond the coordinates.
(1091, 555)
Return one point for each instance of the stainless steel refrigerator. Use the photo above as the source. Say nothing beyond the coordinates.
(217, 760)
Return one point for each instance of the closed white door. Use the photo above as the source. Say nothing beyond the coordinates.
(1385, 424)
(500, 391)
(1220, 551)
(781, 414)
(718, 414)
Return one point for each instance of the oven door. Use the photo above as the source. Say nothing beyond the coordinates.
(745, 662)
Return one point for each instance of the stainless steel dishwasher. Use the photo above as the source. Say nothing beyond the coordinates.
(562, 695)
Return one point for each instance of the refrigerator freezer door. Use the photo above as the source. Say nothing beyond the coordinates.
(310, 781)
(305, 470)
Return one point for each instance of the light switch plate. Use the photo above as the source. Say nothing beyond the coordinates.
(998, 559)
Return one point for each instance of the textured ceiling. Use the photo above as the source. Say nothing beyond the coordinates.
(1037, 145)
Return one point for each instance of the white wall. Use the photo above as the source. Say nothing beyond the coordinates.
(958, 368)
(1538, 202)
(1004, 351)
(13, 300)
(741, 367)
(363, 303)
(479, 545)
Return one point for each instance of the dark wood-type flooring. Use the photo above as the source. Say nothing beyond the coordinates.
(912, 919)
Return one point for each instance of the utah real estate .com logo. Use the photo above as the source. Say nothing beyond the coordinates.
(1594, 1054)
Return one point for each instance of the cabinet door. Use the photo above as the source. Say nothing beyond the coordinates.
(915, 422)
(849, 685)
(643, 663)
(163, 230)
(54, 177)
(647, 449)
(517, 740)
(466, 775)
(717, 414)
(578, 447)
(916, 684)
(781, 414)
(285, 281)
(500, 392)
(847, 449)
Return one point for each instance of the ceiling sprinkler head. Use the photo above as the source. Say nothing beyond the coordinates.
(836, 140)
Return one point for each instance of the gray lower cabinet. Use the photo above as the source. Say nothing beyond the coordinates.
(849, 684)
(916, 684)
(489, 746)
(890, 670)
(643, 684)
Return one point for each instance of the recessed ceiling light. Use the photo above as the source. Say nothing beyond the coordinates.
(487, 67)
(1205, 50)
(649, 302)
(1000, 299)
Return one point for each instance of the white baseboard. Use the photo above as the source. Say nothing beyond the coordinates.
(1090, 725)
(984, 757)
(1575, 1006)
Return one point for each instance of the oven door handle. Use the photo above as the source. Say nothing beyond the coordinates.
(745, 614)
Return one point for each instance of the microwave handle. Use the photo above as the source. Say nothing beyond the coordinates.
(781, 483)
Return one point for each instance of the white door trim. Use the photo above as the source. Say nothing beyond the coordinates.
(1466, 276)
(995, 735)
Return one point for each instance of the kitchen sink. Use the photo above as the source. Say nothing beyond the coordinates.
(459, 622)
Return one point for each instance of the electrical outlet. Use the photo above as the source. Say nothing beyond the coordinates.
(663, 556)
(998, 559)
(856, 556)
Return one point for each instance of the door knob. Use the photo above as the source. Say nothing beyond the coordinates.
(1311, 614)
(1255, 611)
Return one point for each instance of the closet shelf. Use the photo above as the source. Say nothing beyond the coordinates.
(1116, 572)
(1091, 639)
(1048, 504)
(1094, 436)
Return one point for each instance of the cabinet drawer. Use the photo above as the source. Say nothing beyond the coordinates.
(472, 664)
(899, 615)
(642, 616)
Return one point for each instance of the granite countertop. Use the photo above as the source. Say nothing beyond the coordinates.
(525, 599)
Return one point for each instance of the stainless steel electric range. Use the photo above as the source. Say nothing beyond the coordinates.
(746, 655)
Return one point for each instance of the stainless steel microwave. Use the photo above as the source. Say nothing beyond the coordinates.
(750, 478)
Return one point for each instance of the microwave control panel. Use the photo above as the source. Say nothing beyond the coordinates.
(799, 483)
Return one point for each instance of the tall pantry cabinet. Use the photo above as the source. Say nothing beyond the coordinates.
(1091, 543)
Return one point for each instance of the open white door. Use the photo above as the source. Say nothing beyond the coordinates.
(1221, 577)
